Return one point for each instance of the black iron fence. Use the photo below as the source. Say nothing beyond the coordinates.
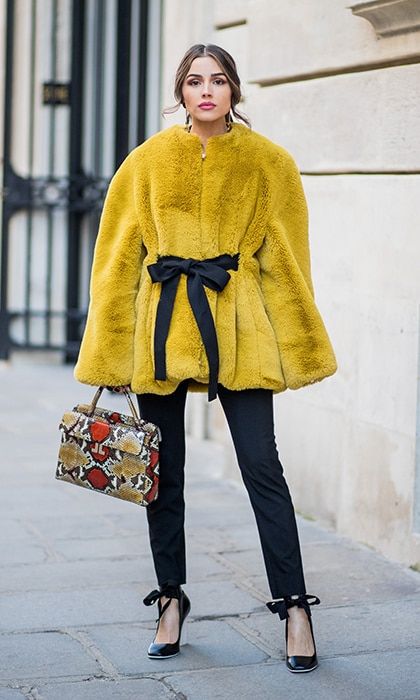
(75, 84)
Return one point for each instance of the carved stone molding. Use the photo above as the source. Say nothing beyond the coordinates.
(390, 17)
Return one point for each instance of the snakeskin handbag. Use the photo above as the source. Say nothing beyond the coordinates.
(110, 452)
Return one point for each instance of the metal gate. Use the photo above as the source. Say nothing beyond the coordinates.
(75, 104)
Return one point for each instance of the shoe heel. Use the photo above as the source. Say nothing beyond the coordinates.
(184, 634)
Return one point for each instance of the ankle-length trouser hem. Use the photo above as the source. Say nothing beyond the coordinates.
(249, 414)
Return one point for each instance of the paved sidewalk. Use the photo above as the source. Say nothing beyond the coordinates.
(75, 566)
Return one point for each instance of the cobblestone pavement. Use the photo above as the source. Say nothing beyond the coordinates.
(75, 566)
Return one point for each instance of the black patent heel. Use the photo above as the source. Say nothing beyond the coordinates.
(297, 664)
(166, 650)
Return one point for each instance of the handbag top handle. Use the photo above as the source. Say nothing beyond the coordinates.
(129, 401)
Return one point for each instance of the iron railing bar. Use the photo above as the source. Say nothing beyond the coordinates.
(51, 169)
(142, 70)
(99, 91)
(122, 93)
(89, 231)
(88, 105)
(75, 167)
(7, 135)
(70, 347)
(134, 73)
(94, 95)
(41, 313)
(31, 142)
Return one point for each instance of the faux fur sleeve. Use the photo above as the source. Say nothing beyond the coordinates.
(286, 239)
(106, 354)
(286, 283)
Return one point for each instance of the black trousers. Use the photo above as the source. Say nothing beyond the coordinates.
(249, 414)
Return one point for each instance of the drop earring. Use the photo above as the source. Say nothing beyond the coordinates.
(187, 120)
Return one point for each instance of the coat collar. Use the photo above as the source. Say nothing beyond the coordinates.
(229, 138)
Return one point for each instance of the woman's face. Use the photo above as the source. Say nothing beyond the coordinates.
(206, 91)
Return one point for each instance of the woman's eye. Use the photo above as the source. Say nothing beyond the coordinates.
(217, 81)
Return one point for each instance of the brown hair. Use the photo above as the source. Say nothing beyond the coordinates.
(225, 61)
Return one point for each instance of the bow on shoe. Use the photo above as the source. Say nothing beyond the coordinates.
(168, 592)
(281, 605)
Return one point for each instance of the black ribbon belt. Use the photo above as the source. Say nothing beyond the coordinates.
(211, 273)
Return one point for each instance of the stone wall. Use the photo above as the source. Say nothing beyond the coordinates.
(340, 92)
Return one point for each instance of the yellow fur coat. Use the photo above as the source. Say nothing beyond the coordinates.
(245, 197)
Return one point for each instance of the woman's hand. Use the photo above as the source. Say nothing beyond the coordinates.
(119, 389)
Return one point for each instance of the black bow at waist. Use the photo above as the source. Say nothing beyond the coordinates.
(211, 273)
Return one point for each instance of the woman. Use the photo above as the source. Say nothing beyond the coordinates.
(201, 281)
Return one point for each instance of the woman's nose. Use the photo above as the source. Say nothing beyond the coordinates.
(206, 89)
